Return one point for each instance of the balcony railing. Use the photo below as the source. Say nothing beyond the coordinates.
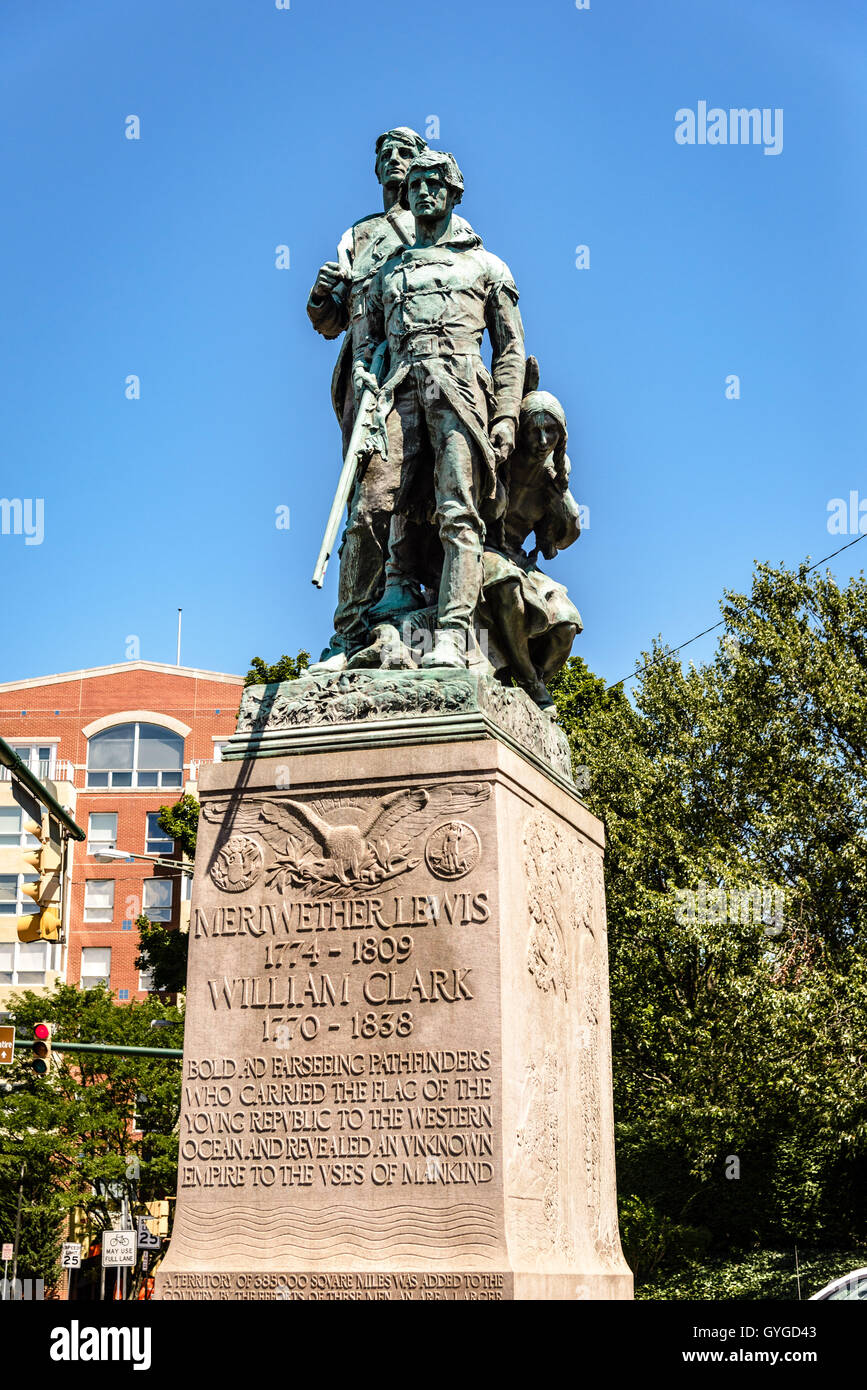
(61, 770)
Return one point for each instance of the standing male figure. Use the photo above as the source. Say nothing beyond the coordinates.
(338, 302)
(447, 422)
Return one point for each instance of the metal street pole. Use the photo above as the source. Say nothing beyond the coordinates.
(115, 1049)
(17, 1230)
(124, 1221)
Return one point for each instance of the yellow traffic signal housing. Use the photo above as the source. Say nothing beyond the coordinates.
(40, 926)
(46, 861)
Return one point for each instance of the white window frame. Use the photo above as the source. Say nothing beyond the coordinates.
(150, 839)
(34, 764)
(20, 952)
(133, 772)
(89, 981)
(25, 839)
(95, 846)
(145, 981)
(24, 907)
(144, 906)
(88, 910)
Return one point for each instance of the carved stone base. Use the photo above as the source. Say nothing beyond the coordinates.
(397, 1075)
(354, 709)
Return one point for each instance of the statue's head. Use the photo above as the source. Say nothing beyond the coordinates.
(433, 185)
(542, 431)
(395, 151)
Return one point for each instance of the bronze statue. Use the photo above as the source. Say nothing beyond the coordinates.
(446, 421)
(451, 467)
(534, 620)
(338, 302)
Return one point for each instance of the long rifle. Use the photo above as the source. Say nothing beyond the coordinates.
(349, 470)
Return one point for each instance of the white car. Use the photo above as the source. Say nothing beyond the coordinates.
(852, 1285)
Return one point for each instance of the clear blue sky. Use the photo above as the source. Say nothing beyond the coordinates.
(156, 257)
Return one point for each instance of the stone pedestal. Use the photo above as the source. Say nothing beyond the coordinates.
(397, 1075)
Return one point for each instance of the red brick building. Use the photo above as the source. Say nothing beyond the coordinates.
(117, 743)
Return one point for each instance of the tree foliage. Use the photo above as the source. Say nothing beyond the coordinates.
(288, 668)
(163, 949)
(74, 1129)
(163, 952)
(181, 822)
(735, 1037)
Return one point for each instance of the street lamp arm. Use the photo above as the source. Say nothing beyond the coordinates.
(107, 855)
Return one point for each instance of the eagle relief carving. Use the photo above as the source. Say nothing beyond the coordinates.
(334, 846)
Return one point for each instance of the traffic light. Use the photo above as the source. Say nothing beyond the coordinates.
(46, 861)
(41, 1054)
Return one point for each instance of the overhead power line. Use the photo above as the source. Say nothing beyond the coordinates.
(672, 651)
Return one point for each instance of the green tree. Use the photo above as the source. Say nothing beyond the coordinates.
(288, 668)
(737, 1037)
(74, 1129)
(163, 949)
(181, 822)
(163, 952)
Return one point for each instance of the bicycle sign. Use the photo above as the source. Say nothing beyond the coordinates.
(118, 1249)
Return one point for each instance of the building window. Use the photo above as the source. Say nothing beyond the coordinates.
(32, 962)
(95, 966)
(24, 962)
(135, 755)
(156, 840)
(157, 899)
(99, 900)
(8, 894)
(139, 1115)
(12, 832)
(145, 980)
(38, 757)
(101, 831)
(12, 900)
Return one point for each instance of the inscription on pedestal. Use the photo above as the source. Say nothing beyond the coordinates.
(307, 1286)
(367, 1105)
(339, 1084)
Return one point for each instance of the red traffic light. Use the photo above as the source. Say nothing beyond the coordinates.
(41, 1055)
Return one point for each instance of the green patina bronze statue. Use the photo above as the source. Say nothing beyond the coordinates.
(338, 304)
(453, 466)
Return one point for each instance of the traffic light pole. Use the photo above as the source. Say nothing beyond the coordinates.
(113, 1048)
(17, 1231)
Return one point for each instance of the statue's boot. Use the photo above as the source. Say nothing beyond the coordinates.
(400, 598)
(540, 695)
(449, 649)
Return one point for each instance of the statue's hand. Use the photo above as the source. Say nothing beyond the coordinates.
(329, 277)
(503, 439)
(363, 380)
